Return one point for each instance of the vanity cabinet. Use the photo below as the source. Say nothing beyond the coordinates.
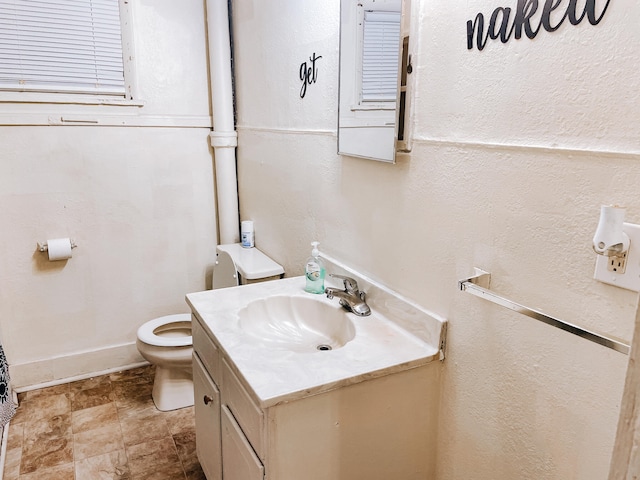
(379, 428)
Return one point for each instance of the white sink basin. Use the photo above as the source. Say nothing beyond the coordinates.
(297, 323)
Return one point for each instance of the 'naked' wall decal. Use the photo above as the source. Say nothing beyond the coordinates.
(505, 25)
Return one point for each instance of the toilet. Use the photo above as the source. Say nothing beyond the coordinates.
(166, 341)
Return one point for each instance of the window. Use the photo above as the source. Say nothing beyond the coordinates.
(62, 47)
(380, 45)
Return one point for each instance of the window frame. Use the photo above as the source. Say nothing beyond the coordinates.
(130, 97)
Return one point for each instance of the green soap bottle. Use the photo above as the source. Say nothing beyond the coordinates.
(314, 271)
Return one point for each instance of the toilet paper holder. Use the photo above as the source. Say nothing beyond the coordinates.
(43, 247)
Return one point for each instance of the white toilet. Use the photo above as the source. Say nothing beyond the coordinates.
(166, 341)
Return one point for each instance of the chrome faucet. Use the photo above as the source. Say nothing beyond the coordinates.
(350, 298)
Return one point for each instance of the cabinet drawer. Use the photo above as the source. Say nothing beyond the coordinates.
(206, 349)
(247, 414)
(239, 462)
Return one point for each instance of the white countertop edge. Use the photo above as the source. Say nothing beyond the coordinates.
(345, 382)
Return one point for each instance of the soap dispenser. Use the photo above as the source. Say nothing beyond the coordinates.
(314, 271)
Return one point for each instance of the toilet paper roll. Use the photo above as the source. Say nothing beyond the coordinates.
(59, 249)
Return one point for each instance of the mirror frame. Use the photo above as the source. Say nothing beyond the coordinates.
(367, 131)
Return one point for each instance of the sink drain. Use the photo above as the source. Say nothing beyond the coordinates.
(323, 348)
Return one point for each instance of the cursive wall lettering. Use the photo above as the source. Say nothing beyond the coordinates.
(504, 25)
(308, 74)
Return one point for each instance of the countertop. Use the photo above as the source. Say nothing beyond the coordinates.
(380, 347)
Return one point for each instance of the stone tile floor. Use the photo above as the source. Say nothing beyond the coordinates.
(105, 427)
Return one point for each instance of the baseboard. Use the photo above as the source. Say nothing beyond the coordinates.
(76, 366)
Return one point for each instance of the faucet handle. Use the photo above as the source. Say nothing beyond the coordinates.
(350, 284)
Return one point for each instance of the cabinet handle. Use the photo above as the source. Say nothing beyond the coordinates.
(207, 399)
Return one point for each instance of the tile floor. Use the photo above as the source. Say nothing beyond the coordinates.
(105, 427)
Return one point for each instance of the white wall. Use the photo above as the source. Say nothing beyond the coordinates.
(514, 150)
(137, 199)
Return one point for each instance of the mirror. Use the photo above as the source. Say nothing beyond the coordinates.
(369, 93)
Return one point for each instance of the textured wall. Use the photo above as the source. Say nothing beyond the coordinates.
(514, 150)
(138, 200)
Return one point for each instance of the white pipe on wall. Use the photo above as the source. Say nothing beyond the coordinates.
(224, 138)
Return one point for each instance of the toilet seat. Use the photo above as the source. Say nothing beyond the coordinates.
(147, 332)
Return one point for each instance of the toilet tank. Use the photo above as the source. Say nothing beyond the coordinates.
(251, 264)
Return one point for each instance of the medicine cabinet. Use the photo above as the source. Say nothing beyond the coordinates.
(374, 62)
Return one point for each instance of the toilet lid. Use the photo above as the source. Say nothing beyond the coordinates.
(146, 333)
(224, 271)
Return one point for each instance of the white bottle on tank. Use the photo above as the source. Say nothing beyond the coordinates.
(247, 234)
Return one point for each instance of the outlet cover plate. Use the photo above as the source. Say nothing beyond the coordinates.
(630, 279)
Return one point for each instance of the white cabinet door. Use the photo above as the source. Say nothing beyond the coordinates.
(207, 407)
(239, 461)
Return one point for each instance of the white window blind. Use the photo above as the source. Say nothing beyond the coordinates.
(380, 53)
(64, 46)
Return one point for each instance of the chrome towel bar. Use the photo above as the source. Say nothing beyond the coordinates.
(478, 285)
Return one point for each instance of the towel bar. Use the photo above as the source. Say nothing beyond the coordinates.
(478, 285)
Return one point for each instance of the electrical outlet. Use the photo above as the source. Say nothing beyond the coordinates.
(622, 271)
(618, 264)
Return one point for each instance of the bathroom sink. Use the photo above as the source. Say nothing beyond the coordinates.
(297, 323)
